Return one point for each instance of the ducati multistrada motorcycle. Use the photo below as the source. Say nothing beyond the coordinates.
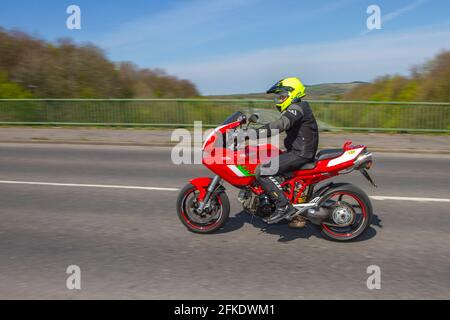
(341, 211)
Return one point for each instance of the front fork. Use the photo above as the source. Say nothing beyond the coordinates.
(212, 186)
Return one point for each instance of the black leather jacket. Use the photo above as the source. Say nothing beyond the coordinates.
(302, 134)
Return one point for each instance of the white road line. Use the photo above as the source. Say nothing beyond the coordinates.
(409, 199)
(381, 198)
(87, 185)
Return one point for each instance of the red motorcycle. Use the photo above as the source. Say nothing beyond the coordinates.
(342, 211)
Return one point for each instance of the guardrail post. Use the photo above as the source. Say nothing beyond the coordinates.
(327, 113)
(251, 107)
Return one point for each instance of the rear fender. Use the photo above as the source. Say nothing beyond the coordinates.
(326, 188)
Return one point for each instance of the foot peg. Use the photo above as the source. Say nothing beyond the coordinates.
(280, 214)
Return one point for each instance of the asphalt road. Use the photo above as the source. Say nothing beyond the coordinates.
(129, 243)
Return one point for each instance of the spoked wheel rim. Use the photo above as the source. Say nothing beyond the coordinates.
(204, 221)
(348, 215)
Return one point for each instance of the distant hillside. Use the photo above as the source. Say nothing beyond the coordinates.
(428, 82)
(324, 91)
(331, 91)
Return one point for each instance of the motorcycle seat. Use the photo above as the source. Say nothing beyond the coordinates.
(306, 166)
(322, 155)
(329, 154)
(309, 165)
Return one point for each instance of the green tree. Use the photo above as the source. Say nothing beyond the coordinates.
(10, 90)
(67, 70)
(429, 82)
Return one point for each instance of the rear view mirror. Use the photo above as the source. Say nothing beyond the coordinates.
(253, 118)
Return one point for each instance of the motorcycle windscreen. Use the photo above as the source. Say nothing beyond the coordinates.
(237, 116)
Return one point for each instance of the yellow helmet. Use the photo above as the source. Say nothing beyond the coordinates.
(287, 91)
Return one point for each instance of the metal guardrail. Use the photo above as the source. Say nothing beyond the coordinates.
(339, 115)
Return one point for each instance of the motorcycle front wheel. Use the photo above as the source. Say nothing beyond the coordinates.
(208, 221)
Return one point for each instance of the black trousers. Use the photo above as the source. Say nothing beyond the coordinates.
(287, 162)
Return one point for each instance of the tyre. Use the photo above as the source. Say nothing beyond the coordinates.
(207, 222)
(350, 213)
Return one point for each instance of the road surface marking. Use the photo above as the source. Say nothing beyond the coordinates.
(176, 189)
(87, 185)
(409, 199)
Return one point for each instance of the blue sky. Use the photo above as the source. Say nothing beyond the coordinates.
(234, 46)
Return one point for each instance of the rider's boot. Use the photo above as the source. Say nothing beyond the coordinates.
(297, 222)
(283, 208)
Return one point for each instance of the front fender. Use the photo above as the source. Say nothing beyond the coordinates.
(202, 184)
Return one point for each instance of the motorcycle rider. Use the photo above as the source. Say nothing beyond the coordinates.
(301, 142)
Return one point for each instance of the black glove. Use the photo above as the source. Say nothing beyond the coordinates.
(263, 131)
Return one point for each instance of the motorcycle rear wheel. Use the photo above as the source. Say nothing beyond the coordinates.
(208, 222)
(349, 198)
